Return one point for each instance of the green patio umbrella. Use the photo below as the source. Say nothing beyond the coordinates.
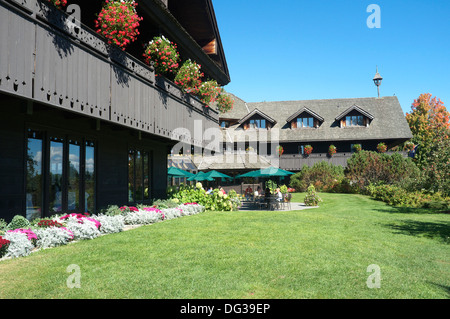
(176, 172)
(216, 174)
(201, 176)
(267, 172)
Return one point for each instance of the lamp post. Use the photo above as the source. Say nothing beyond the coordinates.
(377, 80)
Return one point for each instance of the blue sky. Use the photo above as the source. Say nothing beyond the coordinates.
(323, 49)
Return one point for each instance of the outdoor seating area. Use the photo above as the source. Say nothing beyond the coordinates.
(270, 203)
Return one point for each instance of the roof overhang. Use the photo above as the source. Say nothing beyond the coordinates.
(354, 108)
(305, 109)
(257, 112)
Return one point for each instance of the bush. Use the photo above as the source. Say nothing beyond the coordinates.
(110, 224)
(4, 244)
(17, 222)
(399, 197)
(82, 228)
(323, 175)
(367, 167)
(216, 201)
(19, 245)
(311, 198)
(53, 237)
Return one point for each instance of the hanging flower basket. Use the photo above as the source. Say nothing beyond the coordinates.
(409, 146)
(224, 103)
(163, 53)
(308, 150)
(280, 150)
(189, 77)
(208, 92)
(382, 148)
(357, 147)
(332, 150)
(58, 3)
(118, 22)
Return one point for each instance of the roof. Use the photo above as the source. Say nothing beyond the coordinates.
(257, 112)
(235, 160)
(354, 108)
(388, 120)
(304, 109)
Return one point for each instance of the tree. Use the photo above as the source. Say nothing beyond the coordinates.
(428, 119)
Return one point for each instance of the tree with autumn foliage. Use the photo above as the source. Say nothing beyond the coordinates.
(428, 120)
(430, 124)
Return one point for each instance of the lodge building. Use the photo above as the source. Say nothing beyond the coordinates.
(85, 124)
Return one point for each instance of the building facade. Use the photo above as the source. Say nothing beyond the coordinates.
(281, 131)
(84, 124)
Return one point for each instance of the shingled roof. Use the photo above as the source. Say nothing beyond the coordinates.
(387, 119)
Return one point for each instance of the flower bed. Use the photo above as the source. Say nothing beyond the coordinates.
(62, 230)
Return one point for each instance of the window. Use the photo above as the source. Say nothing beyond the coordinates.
(34, 176)
(139, 176)
(224, 124)
(258, 123)
(357, 120)
(305, 122)
(60, 175)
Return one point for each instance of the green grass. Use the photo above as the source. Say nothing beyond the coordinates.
(314, 253)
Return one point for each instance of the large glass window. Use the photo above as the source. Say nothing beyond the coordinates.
(56, 175)
(89, 177)
(34, 179)
(139, 176)
(74, 173)
(60, 175)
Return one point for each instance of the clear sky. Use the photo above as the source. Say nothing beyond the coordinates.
(323, 49)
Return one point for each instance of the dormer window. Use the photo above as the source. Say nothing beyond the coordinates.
(305, 122)
(257, 120)
(258, 123)
(305, 118)
(354, 117)
(355, 120)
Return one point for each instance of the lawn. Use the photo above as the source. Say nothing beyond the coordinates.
(315, 253)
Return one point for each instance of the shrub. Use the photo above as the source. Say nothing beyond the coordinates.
(142, 217)
(323, 175)
(17, 222)
(4, 244)
(53, 237)
(366, 167)
(19, 245)
(165, 203)
(311, 198)
(110, 224)
(46, 223)
(82, 228)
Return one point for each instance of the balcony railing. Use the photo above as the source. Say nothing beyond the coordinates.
(44, 58)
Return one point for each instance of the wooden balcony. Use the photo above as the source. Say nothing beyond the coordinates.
(296, 162)
(46, 59)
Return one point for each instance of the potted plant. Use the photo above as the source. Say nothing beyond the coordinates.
(382, 148)
(357, 147)
(189, 77)
(308, 150)
(332, 150)
(164, 55)
(409, 146)
(118, 22)
(280, 150)
(58, 3)
(208, 91)
(224, 102)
